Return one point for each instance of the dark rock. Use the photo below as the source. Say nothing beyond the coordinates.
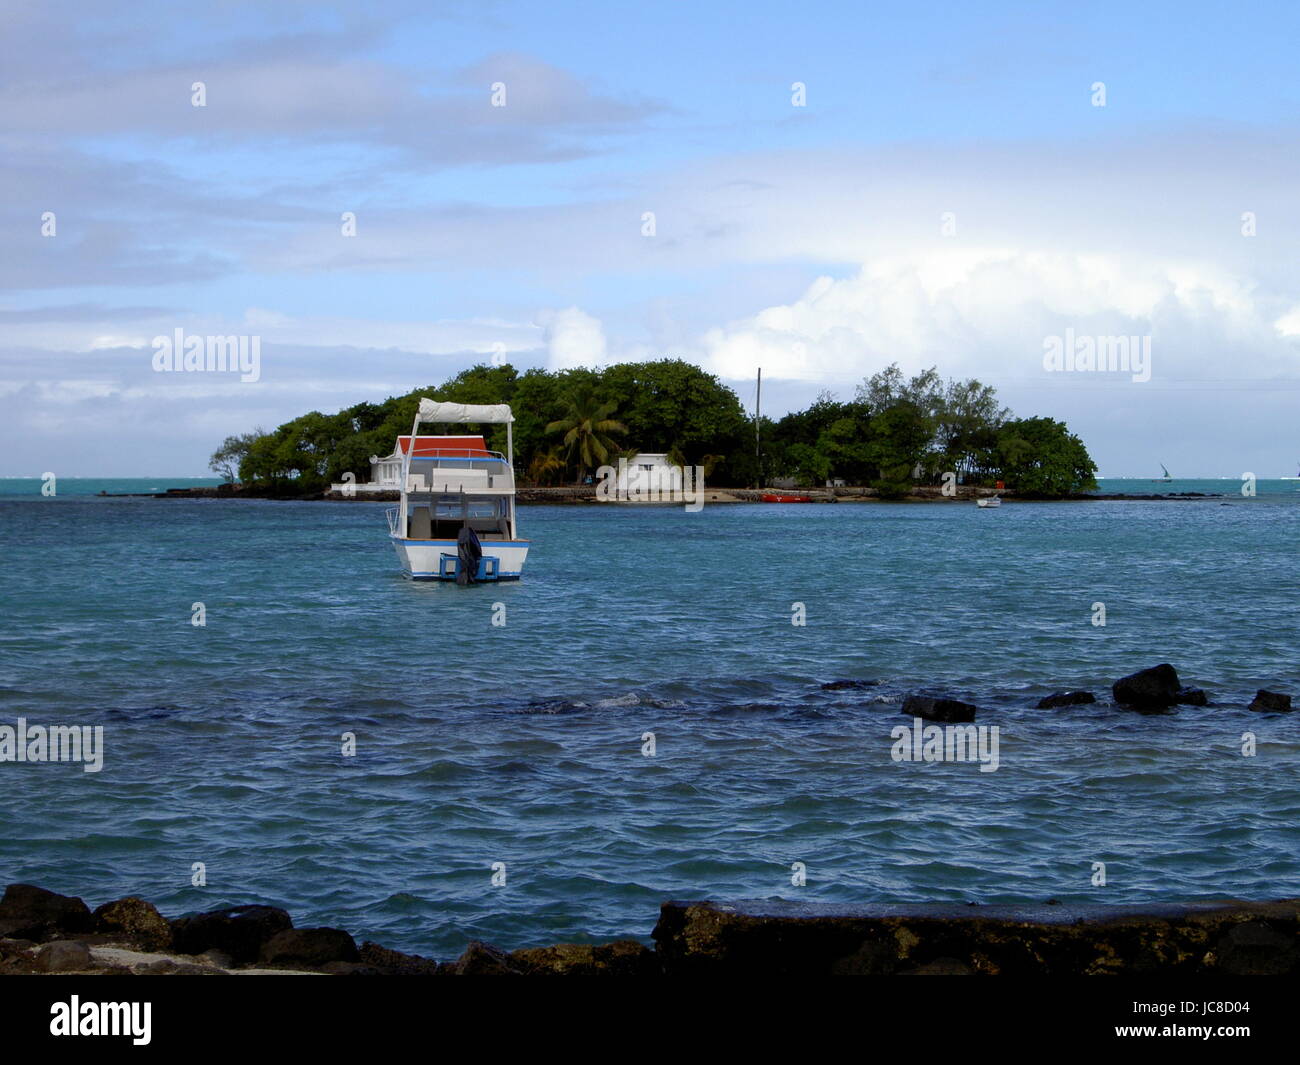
(940, 967)
(933, 709)
(30, 912)
(482, 959)
(1192, 697)
(1148, 688)
(1270, 701)
(240, 931)
(1072, 698)
(309, 946)
(626, 957)
(1255, 948)
(137, 921)
(63, 956)
(395, 963)
(783, 939)
(842, 685)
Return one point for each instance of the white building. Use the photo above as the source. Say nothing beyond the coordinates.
(644, 472)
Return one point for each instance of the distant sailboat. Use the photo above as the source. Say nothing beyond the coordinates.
(1166, 478)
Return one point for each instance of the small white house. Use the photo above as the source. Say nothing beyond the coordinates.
(645, 472)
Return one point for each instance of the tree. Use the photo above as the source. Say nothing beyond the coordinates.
(1041, 457)
(227, 458)
(586, 425)
(546, 465)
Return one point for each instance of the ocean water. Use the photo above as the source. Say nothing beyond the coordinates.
(522, 744)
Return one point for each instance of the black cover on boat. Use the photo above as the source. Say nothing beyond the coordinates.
(468, 552)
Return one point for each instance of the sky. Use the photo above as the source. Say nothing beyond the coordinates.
(383, 194)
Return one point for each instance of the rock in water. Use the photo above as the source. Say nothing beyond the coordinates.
(240, 931)
(30, 912)
(1148, 688)
(933, 709)
(137, 920)
(1271, 701)
(1051, 702)
(1192, 697)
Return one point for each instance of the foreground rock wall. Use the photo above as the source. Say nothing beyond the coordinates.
(42, 932)
(770, 939)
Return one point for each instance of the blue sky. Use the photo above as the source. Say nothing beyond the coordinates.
(806, 239)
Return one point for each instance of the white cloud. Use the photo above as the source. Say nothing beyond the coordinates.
(986, 312)
(573, 338)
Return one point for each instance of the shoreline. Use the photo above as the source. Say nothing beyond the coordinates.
(44, 933)
(586, 494)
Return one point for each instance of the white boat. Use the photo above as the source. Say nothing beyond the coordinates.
(988, 501)
(456, 519)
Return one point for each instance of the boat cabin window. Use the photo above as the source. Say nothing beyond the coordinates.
(442, 517)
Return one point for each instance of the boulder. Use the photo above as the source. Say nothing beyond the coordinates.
(240, 931)
(30, 912)
(136, 920)
(63, 956)
(626, 957)
(483, 959)
(395, 963)
(309, 946)
(934, 709)
(1148, 689)
(1192, 697)
(844, 685)
(1273, 702)
(1071, 698)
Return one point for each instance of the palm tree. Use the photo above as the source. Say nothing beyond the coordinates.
(545, 465)
(586, 426)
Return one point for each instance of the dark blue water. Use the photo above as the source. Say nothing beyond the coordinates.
(479, 744)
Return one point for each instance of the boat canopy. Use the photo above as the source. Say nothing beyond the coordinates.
(493, 414)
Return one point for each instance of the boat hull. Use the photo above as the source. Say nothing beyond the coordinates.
(437, 560)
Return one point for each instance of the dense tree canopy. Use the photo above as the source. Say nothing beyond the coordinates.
(895, 432)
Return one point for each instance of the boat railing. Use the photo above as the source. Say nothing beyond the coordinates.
(392, 514)
(460, 455)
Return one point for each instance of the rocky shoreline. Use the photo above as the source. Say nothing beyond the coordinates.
(45, 933)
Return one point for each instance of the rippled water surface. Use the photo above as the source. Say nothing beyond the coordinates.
(522, 743)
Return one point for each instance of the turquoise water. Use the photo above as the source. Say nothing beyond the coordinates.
(521, 743)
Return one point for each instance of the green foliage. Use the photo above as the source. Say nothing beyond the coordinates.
(571, 421)
(1041, 457)
(587, 423)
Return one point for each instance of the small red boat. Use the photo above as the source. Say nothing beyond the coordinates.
(786, 499)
